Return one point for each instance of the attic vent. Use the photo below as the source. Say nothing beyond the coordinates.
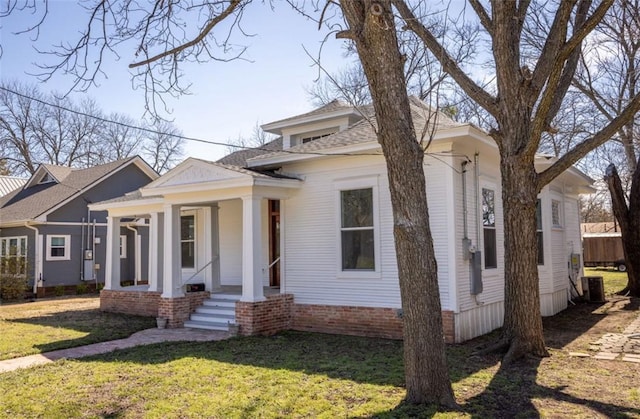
(47, 179)
(316, 137)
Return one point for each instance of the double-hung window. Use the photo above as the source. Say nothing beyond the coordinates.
(13, 255)
(188, 241)
(489, 228)
(556, 214)
(357, 233)
(58, 247)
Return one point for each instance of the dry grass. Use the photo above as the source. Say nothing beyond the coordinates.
(34, 327)
(314, 375)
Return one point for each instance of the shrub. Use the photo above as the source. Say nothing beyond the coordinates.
(99, 287)
(59, 290)
(81, 289)
(12, 287)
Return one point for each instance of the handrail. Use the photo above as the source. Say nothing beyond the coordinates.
(272, 263)
(197, 272)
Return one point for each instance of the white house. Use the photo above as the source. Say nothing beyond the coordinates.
(299, 235)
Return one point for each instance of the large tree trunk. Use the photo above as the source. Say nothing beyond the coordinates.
(628, 217)
(372, 28)
(522, 331)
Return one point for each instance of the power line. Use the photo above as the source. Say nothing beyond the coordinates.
(210, 142)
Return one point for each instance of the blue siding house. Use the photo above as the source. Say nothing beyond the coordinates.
(49, 235)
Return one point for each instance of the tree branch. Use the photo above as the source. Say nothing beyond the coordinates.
(589, 144)
(233, 5)
(485, 20)
(482, 97)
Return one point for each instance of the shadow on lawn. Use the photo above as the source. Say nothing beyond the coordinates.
(99, 326)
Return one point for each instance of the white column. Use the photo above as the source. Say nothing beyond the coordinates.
(252, 249)
(214, 270)
(112, 262)
(155, 279)
(172, 265)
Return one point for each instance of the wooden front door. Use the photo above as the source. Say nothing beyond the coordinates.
(274, 242)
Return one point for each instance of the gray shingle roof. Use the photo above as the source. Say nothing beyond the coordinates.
(363, 131)
(332, 106)
(240, 157)
(30, 203)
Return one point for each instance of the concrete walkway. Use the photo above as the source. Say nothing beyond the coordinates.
(144, 337)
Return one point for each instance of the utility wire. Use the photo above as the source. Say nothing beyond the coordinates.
(211, 142)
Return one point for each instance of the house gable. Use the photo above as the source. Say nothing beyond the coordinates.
(193, 171)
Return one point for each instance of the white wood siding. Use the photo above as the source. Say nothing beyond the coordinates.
(312, 246)
(230, 223)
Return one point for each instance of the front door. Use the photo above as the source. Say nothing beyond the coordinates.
(274, 243)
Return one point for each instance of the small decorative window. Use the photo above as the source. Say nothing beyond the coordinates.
(58, 247)
(539, 233)
(357, 230)
(556, 217)
(489, 228)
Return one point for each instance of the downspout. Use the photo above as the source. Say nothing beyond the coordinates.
(476, 179)
(37, 277)
(93, 252)
(82, 250)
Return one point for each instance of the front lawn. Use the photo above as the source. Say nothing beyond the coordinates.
(314, 375)
(46, 325)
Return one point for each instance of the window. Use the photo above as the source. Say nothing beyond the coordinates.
(357, 230)
(489, 228)
(539, 233)
(305, 140)
(555, 214)
(58, 247)
(13, 255)
(123, 247)
(188, 241)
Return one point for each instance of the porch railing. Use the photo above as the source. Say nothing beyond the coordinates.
(271, 264)
(196, 273)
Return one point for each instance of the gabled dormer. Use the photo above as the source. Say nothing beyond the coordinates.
(48, 173)
(319, 123)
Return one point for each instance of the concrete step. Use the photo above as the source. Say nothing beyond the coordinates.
(214, 318)
(219, 302)
(226, 296)
(206, 325)
(216, 310)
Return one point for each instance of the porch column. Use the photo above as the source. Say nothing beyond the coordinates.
(172, 265)
(155, 251)
(252, 249)
(112, 262)
(212, 273)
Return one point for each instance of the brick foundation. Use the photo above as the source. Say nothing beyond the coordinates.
(145, 303)
(178, 310)
(138, 303)
(265, 317)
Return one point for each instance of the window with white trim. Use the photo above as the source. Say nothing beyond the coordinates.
(489, 228)
(188, 241)
(357, 231)
(13, 255)
(556, 214)
(123, 246)
(539, 233)
(58, 247)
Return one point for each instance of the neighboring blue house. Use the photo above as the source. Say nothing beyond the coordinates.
(48, 234)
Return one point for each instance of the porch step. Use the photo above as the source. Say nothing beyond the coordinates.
(215, 313)
(206, 325)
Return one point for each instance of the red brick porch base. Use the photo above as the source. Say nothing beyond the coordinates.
(144, 303)
(279, 313)
(265, 317)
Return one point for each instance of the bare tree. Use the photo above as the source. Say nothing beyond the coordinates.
(38, 128)
(610, 79)
(526, 95)
(256, 139)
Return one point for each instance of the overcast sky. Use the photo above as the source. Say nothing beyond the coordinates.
(228, 98)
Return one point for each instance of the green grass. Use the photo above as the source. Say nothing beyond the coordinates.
(43, 326)
(614, 281)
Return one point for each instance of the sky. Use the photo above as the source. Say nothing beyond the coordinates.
(228, 98)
